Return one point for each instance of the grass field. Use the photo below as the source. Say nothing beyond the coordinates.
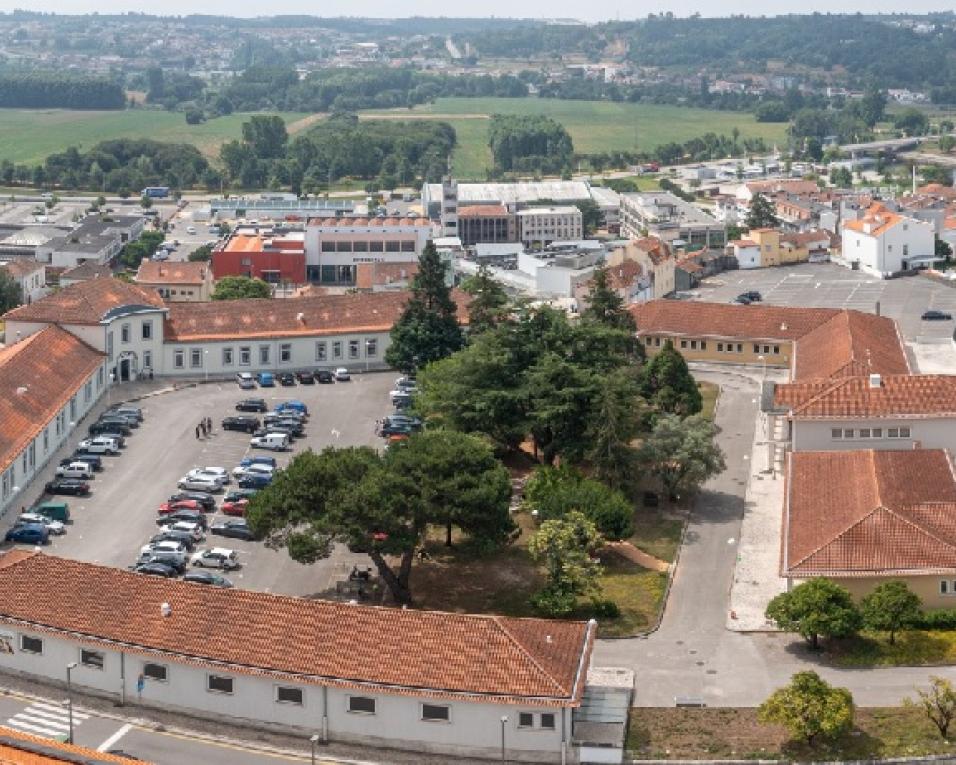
(594, 125)
(30, 135)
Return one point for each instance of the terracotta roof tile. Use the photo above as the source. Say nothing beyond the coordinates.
(20, 748)
(179, 272)
(483, 211)
(850, 343)
(87, 270)
(876, 221)
(857, 513)
(897, 395)
(38, 376)
(85, 302)
(20, 267)
(316, 641)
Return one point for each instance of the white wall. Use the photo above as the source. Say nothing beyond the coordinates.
(815, 435)
(747, 257)
(884, 255)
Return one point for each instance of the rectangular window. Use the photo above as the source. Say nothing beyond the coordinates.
(392, 245)
(362, 705)
(683, 343)
(371, 348)
(376, 247)
(547, 720)
(353, 349)
(147, 360)
(360, 246)
(836, 433)
(766, 349)
(720, 347)
(756, 349)
(99, 377)
(147, 330)
(436, 713)
(740, 347)
(943, 588)
(195, 358)
(657, 342)
(179, 359)
(693, 345)
(776, 350)
(408, 246)
(46, 440)
(227, 357)
(245, 356)
(263, 354)
(343, 246)
(124, 333)
(157, 672)
(337, 349)
(30, 644)
(703, 345)
(525, 720)
(864, 432)
(92, 659)
(328, 246)
(218, 684)
(285, 352)
(288, 695)
(893, 432)
(109, 345)
(321, 351)
(877, 432)
(904, 432)
(848, 433)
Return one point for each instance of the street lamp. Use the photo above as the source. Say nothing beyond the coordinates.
(69, 698)
(368, 344)
(205, 363)
(313, 739)
(504, 721)
(763, 362)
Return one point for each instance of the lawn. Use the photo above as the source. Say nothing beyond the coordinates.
(30, 135)
(595, 126)
(914, 647)
(659, 733)
(656, 534)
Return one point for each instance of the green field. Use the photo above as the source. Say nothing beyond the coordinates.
(594, 126)
(29, 135)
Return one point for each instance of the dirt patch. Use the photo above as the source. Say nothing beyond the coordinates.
(299, 125)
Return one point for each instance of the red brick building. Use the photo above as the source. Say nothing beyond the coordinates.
(275, 259)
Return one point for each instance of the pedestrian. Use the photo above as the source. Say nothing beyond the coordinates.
(197, 432)
(202, 428)
(209, 424)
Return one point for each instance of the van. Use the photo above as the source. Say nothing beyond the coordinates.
(277, 442)
(266, 380)
(55, 511)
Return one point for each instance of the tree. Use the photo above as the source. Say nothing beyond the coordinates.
(614, 425)
(240, 288)
(195, 117)
(10, 293)
(604, 305)
(938, 703)
(201, 254)
(762, 213)
(682, 453)
(891, 607)
(428, 328)
(842, 177)
(591, 216)
(566, 547)
(266, 135)
(667, 384)
(383, 504)
(810, 708)
(553, 492)
(145, 202)
(947, 143)
(912, 121)
(488, 306)
(816, 608)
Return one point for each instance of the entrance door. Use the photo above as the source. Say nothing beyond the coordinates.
(124, 370)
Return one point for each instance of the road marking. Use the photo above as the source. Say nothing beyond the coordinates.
(20, 725)
(114, 738)
(47, 720)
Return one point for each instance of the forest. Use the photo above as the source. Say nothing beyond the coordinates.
(533, 143)
(55, 90)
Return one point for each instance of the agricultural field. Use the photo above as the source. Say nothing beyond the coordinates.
(594, 126)
(30, 135)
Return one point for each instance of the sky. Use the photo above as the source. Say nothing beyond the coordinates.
(597, 10)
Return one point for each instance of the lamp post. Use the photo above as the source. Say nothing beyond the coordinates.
(313, 739)
(69, 699)
(368, 344)
(205, 363)
(763, 367)
(504, 721)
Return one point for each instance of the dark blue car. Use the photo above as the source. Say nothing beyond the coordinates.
(30, 534)
(254, 481)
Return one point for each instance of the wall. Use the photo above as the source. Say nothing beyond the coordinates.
(747, 257)
(473, 728)
(290, 265)
(691, 350)
(144, 353)
(926, 587)
(929, 433)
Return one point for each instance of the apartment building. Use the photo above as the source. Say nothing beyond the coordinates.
(668, 217)
(540, 226)
(486, 224)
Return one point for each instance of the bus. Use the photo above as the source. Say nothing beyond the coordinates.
(156, 192)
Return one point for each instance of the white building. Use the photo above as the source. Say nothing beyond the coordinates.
(746, 252)
(884, 243)
(539, 226)
(96, 238)
(669, 218)
(452, 684)
(29, 274)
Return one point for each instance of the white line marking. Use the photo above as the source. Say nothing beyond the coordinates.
(114, 738)
(45, 721)
(55, 708)
(34, 728)
(47, 715)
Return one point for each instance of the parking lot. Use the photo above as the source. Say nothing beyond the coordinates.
(824, 285)
(111, 525)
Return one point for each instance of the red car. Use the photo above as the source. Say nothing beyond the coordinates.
(180, 504)
(235, 508)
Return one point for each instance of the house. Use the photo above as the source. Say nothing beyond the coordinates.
(275, 258)
(627, 280)
(176, 281)
(83, 272)
(486, 224)
(18, 747)
(865, 516)
(29, 275)
(667, 217)
(49, 380)
(765, 247)
(442, 683)
(747, 191)
(655, 259)
(97, 238)
(538, 227)
(747, 253)
(884, 243)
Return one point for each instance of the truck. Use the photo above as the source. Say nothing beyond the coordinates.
(156, 192)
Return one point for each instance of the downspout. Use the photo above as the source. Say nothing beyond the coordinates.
(325, 714)
(122, 699)
(564, 736)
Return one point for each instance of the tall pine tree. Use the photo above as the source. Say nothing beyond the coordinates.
(604, 305)
(668, 385)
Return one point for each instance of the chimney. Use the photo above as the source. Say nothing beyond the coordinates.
(166, 610)
(300, 317)
(876, 381)
(783, 326)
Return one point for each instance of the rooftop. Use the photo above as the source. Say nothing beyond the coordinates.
(20, 267)
(559, 210)
(483, 211)
(171, 272)
(894, 395)
(875, 222)
(85, 302)
(87, 270)
(289, 242)
(397, 651)
(20, 748)
(372, 223)
(663, 207)
(512, 193)
(860, 513)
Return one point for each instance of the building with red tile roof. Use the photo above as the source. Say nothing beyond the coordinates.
(176, 281)
(277, 259)
(884, 243)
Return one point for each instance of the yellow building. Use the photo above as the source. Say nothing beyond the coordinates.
(655, 259)
(780, 249)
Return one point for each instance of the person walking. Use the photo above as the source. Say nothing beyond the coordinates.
(197, 432)
(209, 424)
(202, 428)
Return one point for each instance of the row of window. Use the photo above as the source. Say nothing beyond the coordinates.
(284, 694)
(354, 347)
(701, 345)
(361, 245)
(843, 434)
(146, 331)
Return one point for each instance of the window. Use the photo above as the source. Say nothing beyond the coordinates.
(947, 587)
(906, 249)
(547, 720)
(893, 432)
(73, 409)
(157, 672)
(195, 357)
(218, 684)
(147, 359)
(99, 377)
(766, 349)
(263, 354)
(92, 659)
(285, 352)
(337, 349)
(435, 713)
(46, 440)
(864, 432)
(30, 644)
(904, 432)
(360, 246)
(693, 345)
(371, 347)
(179, 358)
(756, 349)
(877, 432)
(776, 350)
(703, 345)
(848, 433)
(288, 695)
(836, 433)
(392, 245)
(109, 345)
(353, 349)
(376, 247)
(328, 246)
(683, 343)
(245, 356)
(408, 246)
(147, 330)
(320, 351)
(124, 333)
(361, 705)
(740, 347)
(343, 246)
(647, 341)
(657, 342)
(227, 357)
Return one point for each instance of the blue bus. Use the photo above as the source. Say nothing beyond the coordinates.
(156, 192)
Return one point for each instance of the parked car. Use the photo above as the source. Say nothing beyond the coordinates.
(246, 424)
(234, 528)
(400, 418)
(742, 300)
(753, 296)
(55, 511)
(254, 469)
(54, 527)
(90, 459)
(389, 429)
(68, 486)
(129, 420)
(75, 470)
(200, 483)
(294, 404)
(276, 442)
(406, 381)
(194, 530)
(276, 428)
(128, 410)
(259, 460)
(167, 535)
(182, 515)
(164, 546)
(206, 502)
(400, 393)
(324, 377)
(216, 557)
(238, 507)
(286, 379)
(342, 375)
(100, 445)
(934, 315)
(30, 534)
(207, 577)
(113, 429)
(218, 473)
(156, 569)
(402, 401)
(266, 380)
(254, 481)
(180, 504)
(245, 380)
(176, 561)
(252, 405)
(305, 378)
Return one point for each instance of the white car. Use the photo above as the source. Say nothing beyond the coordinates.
(220, 471)
(216, 557)
(166, 546)
(75, 470)
(211, 473)
(190, 229)
(342, 375)
(401, 394)
(99, 445)
(193, 529)
(276, 442)
(200, 483)
(54, 527)
(255, 468)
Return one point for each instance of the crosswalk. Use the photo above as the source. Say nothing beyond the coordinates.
(49, 720)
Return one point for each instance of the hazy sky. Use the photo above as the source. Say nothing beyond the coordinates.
(591, 11)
